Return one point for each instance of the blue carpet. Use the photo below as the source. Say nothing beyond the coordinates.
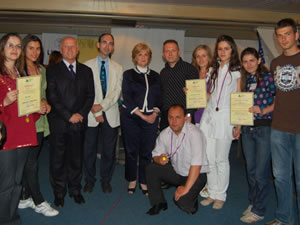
(119, 208)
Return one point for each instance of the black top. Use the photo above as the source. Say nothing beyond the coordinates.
(141, 90)
(172, 81)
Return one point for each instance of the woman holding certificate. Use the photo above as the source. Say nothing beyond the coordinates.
(215, 122)
(21, 132)
(139, 116)
(32, 196)
(256, 139)
(202, 59)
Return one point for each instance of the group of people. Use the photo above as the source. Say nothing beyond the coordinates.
(86, 103)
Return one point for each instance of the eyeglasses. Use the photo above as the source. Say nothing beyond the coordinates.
(11, 46)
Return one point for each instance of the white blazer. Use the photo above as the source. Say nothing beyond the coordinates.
(110, 102)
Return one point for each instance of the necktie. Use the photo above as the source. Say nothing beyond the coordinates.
(103, 78)
(72, 71)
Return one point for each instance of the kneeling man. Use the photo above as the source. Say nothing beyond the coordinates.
(179, 159)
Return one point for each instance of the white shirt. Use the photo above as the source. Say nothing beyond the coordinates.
(68, 64)
(216, 124)
(186, 150)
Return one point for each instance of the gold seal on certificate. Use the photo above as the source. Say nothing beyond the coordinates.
(240, 102)
(196, 94)
(29, 94)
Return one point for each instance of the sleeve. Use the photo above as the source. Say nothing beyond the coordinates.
(159, 145)
(89, 94)
(113, 96)
(53, 96)
(158, 99)
(128, 92)
(271, 84)
(43, 83)
(192, 73)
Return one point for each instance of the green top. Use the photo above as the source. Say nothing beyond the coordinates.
(42, 123)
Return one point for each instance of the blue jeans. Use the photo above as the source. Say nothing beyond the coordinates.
(285, 148)
(256, 146)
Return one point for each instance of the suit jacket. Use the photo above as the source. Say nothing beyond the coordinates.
(68, 96)
(110, 102)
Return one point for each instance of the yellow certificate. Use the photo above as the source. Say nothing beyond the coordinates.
(196, 94)
(240, 102)
(29, 96)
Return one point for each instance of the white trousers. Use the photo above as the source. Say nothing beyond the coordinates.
(217, 151)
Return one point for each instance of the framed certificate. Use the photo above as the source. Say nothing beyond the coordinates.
(196, 94)
(240, 102)
(29, 94)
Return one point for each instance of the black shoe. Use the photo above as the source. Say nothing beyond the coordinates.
(78, 198)
(188, 211)
(157, 208)
(106, 187)
(164, 185)
(59, 202)
(145, 191)
(88, 187)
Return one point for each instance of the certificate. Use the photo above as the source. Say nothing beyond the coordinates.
(196, 94)
(29, 96)
(240, 102)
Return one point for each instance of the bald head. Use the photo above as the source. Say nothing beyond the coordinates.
(69, 49)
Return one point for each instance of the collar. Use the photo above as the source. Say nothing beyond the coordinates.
(136, 69)
(68, 64)
(169, 67)
(100, 59)
(183, 131)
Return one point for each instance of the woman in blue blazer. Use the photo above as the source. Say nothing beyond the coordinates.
(139, 115)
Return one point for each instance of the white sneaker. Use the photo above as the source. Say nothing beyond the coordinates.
(27, 203)
(251, 218)
(45, 209)
(248, 210)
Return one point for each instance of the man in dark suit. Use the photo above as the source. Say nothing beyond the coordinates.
(70, 92)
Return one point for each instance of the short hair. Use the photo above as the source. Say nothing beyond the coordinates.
(171, 41)
(104, 34)
(54, 58)
(287, 22)
(178, 106)
(138, 48)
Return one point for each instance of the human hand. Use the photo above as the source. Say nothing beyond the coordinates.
(180, 191)
(255, 109)
(76, 118)
(10, 97)
(185, 90)
(96, 108)
(236, 132)
(100, 119)
(163, 159)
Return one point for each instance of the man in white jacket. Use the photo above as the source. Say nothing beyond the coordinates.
(104, 117)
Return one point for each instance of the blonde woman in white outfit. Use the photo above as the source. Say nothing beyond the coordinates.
(215, 122)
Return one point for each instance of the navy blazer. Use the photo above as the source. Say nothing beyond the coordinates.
(134, 90)
(68, 96)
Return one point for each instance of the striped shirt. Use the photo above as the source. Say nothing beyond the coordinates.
(172, 81)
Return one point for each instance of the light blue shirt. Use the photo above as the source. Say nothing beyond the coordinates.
(106, 67)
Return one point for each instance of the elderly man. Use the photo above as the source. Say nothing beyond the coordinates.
(71, 94)
(179, 159)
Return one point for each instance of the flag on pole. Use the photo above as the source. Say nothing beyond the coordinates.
(260, 49)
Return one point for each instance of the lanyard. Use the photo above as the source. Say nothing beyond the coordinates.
(217, 108)
(171, 155)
